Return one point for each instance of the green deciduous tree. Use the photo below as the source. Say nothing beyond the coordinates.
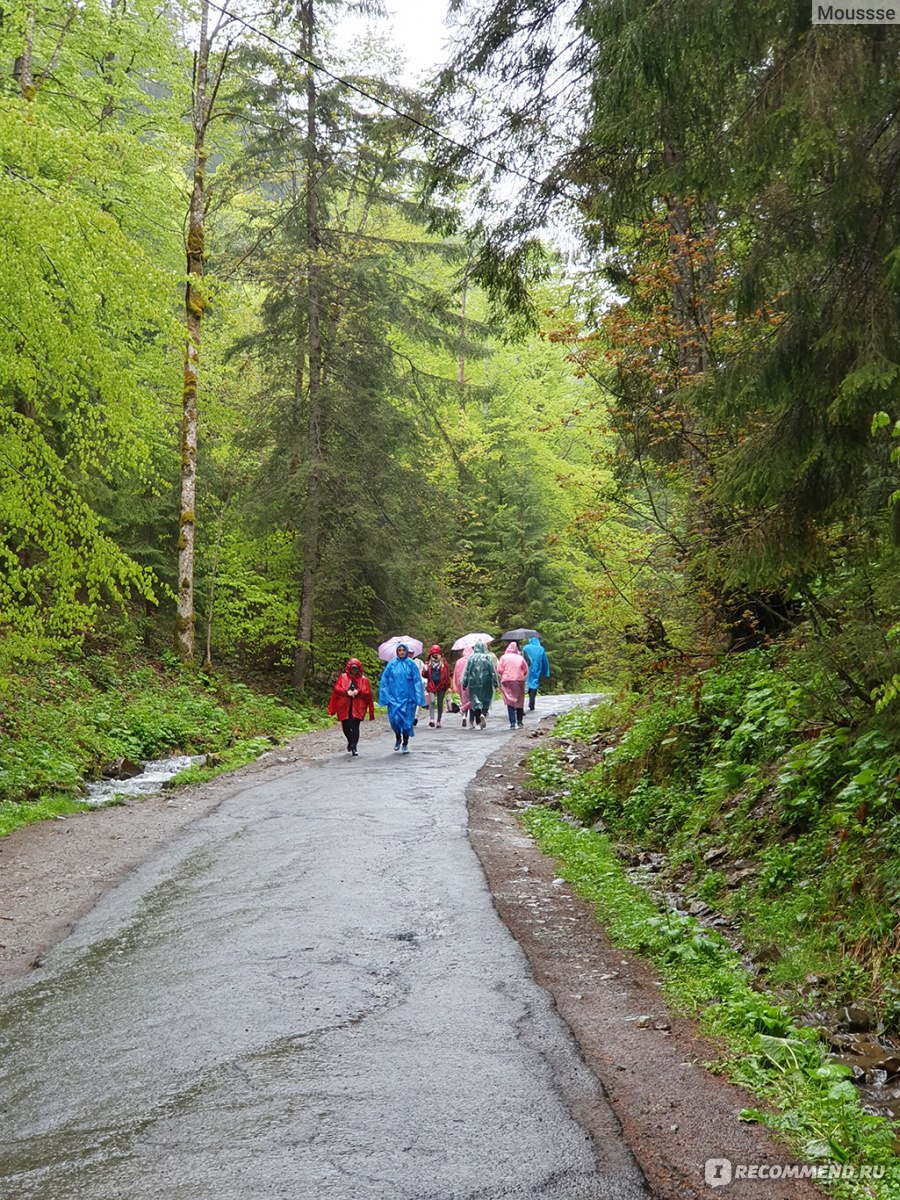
(84, 187)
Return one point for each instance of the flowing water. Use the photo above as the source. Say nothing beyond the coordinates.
(156, 772)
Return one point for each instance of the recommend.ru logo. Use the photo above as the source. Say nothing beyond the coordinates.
(719, 1172)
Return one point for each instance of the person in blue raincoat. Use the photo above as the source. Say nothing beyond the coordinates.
(401, 691)
(538, 668)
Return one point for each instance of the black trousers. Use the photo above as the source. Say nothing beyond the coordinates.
(532, 693)
(351, 731)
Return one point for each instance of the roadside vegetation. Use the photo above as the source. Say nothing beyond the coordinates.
(749, 848)
(61, 724)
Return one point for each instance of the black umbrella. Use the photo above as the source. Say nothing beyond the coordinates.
(518, 635)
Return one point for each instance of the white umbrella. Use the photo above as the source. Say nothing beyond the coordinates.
(469, 639)
(388, 650)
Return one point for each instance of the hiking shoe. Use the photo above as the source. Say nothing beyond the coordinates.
(431, 724)
(465, 722)
(438, 725)
(404, 750)
(396, 745)
(482, 723)
(520, 724)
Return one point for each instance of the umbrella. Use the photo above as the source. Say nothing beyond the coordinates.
(388, 650)
(518, 635)
(469, 639)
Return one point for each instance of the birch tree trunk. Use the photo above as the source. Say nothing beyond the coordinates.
(312, 511)
(194, 304)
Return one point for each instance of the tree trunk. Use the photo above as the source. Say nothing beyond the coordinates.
(194, 304)
(22, 68)
(312, 511)
(461, 361)
(692, 270)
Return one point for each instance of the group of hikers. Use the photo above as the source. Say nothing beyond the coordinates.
(408, 684)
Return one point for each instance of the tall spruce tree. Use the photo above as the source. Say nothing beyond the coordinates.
(333, 248)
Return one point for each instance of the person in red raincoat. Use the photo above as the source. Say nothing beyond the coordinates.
(436, 674)
(351, 699)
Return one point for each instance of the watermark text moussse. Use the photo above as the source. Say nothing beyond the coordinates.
(839, 14)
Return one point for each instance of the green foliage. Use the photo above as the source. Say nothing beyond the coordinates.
(83, 336)
(57, 730)
(546, 769)
(254, 606)
(817, 1110)
(728, 769)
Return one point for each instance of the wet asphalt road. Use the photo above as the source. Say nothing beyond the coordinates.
(309, 994)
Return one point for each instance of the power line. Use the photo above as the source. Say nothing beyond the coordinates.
(316, 66)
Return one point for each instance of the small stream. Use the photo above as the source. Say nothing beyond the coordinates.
(874, 1061)
(872, 1057)
(151, 778)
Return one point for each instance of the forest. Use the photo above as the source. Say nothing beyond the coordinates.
(596, 332)
(286, 369)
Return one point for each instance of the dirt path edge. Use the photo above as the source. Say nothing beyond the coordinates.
(54, 872)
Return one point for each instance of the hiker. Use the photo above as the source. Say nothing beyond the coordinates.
(463, 693)
(538, 668)
(351, 699)
(420, 667)
(436, 674)
(402, 693)
(512, 671)
(480, 679)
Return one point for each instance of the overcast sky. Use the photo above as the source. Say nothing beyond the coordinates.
(415, 28)
(419, 28)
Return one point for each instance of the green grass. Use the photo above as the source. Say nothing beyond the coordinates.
(14, 816)
(818, 1110)
(229, 760)
(734, 772)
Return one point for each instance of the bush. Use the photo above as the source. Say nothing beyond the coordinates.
(69, 721)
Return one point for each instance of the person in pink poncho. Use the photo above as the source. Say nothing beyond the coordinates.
(463, 693)
(512, 669)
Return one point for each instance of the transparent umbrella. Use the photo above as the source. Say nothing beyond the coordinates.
(388, 650)
(469, 639)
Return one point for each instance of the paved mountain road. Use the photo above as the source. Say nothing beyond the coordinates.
(307, 994)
